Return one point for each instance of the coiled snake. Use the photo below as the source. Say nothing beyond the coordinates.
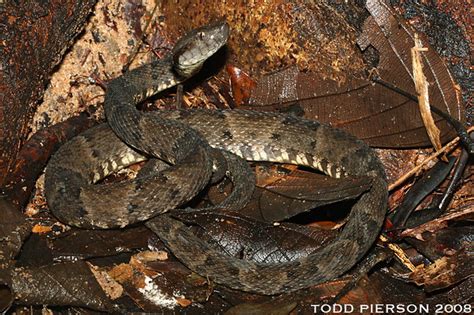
(185, 140)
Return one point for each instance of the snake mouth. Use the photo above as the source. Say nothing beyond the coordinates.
(224, 29)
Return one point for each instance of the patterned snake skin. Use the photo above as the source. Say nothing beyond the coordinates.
(185, 140)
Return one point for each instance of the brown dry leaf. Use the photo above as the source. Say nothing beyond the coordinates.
(158, 285)
(144, 286)
(64, 284)
(304, 185)
(39, 229)
(435, 225)
(380, 116)
(284, 191)
(254, 240)
(445, 242)
(84, 244)
(14, 229)
(241, 84)
(111, 287)
(392, 38)
(121, 273)
(445, 271)
(183, 302)
(300, 191)
(147, 256)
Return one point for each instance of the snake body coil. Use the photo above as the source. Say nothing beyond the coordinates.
(185, 140)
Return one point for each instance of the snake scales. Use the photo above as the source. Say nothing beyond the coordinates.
(185, 139)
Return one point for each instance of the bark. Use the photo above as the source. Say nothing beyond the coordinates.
(33, 38)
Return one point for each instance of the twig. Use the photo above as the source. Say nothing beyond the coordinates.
(398, 251)
(448, 147)
(421, 86)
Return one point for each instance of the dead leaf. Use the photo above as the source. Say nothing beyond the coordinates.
(285, 191)
(392, 37)
(69, 284)
(445, 242)
(84, 244)
(156, 285)
(439, 223)
(310, 186)
(254, 240)
(14, 229)
(38, 228)
(445, 271)
(111, 287)
(241, 84)
(378, 115)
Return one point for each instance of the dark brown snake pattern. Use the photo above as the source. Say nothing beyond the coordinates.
(185, 139)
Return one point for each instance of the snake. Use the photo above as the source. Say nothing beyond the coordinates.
(188, 141)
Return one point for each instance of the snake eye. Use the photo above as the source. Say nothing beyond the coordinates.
(200, 35)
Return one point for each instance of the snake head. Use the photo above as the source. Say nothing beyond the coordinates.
(192, 50)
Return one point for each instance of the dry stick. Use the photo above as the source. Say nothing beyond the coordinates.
(399, 253)
(421, 86)
(448, 147)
